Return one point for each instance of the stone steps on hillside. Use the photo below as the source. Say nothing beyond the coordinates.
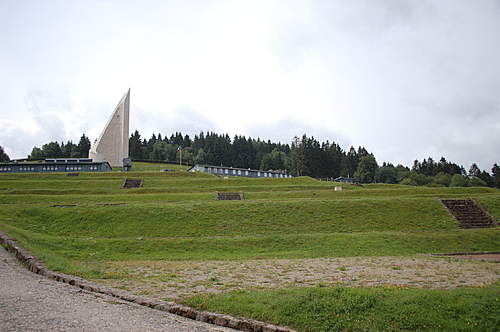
(468, 213)
(132, 183)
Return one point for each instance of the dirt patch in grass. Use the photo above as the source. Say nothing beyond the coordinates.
(174, 280)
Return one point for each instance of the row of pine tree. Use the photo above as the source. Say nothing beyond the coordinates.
(304, 156)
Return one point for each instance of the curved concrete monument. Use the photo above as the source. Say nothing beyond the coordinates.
(112, 145)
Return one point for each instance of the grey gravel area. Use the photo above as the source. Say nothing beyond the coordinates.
(30, 302)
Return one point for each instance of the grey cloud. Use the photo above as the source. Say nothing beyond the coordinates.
(191, 121)
(464, 131)
(419, 77)
(46, 117)
(51, 114)
(286, 129)
(16, 140)
(184, 119)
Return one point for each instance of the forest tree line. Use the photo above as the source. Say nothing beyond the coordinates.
(304, 156)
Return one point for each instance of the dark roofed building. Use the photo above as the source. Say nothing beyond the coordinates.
(233, 171)
(56, 165)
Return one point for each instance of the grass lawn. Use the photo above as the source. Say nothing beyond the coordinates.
(155, 167)
(83, 225)
(363, 309)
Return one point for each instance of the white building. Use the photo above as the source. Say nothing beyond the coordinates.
(233, 171)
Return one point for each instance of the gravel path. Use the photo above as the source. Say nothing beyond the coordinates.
(178, 279)
(29, 302)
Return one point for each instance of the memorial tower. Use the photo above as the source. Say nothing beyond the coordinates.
(112, 145)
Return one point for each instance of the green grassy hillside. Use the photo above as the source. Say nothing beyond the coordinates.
(91, 227)
(71, 221)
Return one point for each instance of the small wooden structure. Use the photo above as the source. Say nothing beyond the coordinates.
(220, 196)
(132, 183)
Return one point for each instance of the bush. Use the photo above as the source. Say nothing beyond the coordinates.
(458, 180)
(476, 182)
(408, 182)
(420, 179)
(442, 179)
(386, 174)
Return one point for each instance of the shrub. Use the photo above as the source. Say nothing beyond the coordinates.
(417, 179)
(476, 182)
(408, 182)
(442, 179)
(458, 180)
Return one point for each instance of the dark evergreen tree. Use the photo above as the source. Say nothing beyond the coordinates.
(304, 156)
(386, 174)
(474, 171)
(298, 157)
(367, 168)
(187, 141)
(350, 163)
(416, 166)
(201, 157)
(402, 173)
(69, 150)
(3, 155)
(135, 151)
(160, 151)
(334, 156)
(149, 146)
(495, 173)
(36, 154)
(144, 149)
(275, 160)
(83, 147)
(52, 150)
(430, 168)
(487, 178)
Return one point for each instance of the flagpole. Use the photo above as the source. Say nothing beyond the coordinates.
(180, 156)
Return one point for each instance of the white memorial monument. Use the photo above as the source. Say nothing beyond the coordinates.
(112, 145)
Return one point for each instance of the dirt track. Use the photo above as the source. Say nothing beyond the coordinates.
(167, 279)
(29, 302)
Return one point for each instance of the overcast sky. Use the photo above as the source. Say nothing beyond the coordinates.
(405, 79)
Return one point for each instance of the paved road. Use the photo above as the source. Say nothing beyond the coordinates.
(29, 302)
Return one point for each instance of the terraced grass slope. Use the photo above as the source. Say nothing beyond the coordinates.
(75, 223)
(91, 227)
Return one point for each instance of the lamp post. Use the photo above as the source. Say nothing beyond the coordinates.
(180, 155)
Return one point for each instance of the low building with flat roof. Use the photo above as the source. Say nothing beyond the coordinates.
(56, 165)
(234, 171)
